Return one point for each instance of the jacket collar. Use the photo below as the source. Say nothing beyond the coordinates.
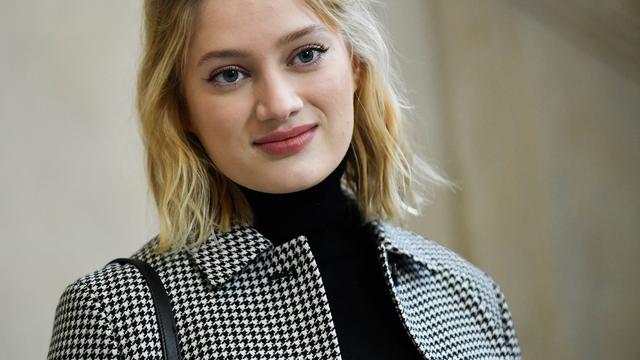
(226, 254)
(404, 242)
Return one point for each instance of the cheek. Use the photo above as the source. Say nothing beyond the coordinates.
(218, 125)
(333, 95)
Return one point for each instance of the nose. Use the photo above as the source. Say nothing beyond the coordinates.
(277, 97)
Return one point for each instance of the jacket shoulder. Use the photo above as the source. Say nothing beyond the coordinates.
(88, 321)
(83, 326)
(99, 282)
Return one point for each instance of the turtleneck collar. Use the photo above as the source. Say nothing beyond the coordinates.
(282, 217)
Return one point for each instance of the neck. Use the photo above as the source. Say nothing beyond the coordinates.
(282, 217)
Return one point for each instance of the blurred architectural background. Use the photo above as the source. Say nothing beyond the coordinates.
(531, 107)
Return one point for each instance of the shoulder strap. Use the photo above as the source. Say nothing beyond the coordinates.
(164, 313)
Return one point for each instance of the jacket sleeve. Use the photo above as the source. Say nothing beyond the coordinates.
(81, 329)
(511, 348)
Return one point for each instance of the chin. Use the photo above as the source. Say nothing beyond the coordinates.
(291, 181)
(290, 186)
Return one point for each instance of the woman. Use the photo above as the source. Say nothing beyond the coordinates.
(274, 152)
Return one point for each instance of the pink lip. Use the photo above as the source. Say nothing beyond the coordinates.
(287, 141)
(284, 134)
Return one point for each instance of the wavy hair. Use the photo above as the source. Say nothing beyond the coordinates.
(195, 200)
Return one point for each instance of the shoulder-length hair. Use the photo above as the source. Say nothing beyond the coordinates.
(194, 200)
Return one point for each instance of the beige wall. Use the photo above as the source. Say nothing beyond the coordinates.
(72, 188)
(538, 124)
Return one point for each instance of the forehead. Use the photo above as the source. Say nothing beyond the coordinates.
(232, 22)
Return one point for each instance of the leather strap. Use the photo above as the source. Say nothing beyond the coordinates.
(164, 312)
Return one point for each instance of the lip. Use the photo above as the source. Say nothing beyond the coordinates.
(288, 141)
(284, 134)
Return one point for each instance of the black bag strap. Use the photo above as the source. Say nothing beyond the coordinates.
(164, 313)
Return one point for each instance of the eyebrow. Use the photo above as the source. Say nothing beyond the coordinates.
(234, 53)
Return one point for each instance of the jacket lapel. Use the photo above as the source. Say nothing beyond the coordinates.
(438, 294)
(272, 298)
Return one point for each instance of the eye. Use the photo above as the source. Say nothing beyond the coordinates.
(227, 76)
(310, 54)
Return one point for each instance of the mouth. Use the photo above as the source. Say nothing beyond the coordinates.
(282, 135)
(285, 142)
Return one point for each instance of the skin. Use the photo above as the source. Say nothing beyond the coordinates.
(275, 86)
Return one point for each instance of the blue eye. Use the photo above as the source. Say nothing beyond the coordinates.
(233, 75)
(310, 54)
(307, 56)
(227, 77)
(230, 75)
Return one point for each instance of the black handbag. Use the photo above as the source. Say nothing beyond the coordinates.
(164, 312)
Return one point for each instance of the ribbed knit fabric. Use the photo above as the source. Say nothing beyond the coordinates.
(366, 321)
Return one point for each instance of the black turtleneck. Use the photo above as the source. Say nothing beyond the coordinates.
(366, 321)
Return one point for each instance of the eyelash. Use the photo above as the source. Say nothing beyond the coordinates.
(319, 48)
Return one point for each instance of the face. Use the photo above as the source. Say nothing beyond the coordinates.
(269, 89)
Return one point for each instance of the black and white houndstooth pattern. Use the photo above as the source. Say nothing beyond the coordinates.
(239, 297)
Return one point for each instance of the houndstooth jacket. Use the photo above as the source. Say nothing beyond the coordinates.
(239, 297)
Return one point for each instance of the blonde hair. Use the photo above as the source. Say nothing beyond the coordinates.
(194, 199)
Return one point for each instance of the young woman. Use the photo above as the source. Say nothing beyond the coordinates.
(274, 152)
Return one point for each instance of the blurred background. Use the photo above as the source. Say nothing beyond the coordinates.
(531, 107)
